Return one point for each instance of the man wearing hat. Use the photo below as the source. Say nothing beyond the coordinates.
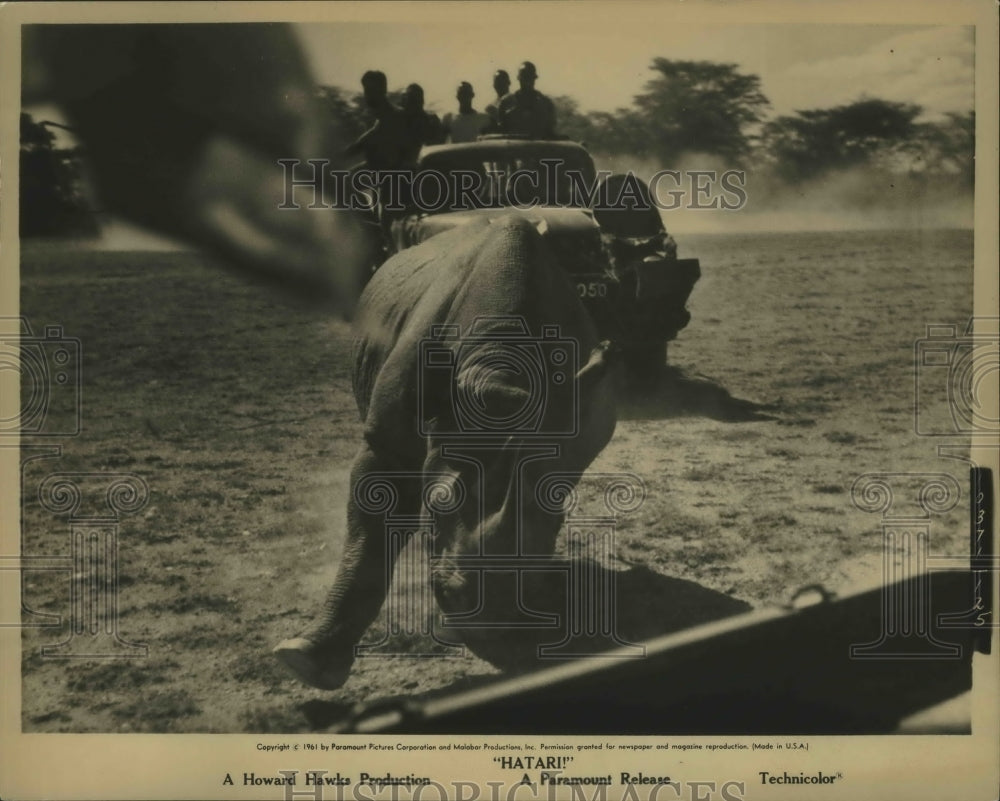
(468, 123)
(527, 112)
(501, 85)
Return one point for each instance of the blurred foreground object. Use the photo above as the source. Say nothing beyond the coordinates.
(864, 663)
(183, 126)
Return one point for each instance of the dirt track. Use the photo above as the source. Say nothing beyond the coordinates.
(794, 378)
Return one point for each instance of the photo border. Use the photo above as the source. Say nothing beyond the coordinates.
(133, 766)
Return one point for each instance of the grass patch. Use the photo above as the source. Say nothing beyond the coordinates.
(776, 519)
(53, 716)
(118, 675)
(700, 474)
(274, 719)
(200, 602)
(157, 710)
(740, 435)
(841, 437)
(782, 453)
(262, 669)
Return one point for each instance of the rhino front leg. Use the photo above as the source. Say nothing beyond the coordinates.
(322, 657)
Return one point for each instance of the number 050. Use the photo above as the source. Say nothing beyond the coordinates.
(595, 289)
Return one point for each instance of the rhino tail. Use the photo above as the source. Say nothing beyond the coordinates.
(603, 359)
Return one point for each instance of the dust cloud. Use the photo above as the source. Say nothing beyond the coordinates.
(861, 198)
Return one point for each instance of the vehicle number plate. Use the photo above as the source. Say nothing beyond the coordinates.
(593, 289)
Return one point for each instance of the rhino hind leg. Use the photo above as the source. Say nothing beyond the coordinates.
(322, 656)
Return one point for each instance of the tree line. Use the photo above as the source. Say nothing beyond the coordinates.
(687, 108)
(710, 108)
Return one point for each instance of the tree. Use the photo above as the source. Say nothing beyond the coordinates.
(947, 147)
(699, 106)
(348, 117)
(570, 122)
(52, 200)
(810, 143)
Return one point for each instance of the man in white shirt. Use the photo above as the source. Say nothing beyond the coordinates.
(468, 123)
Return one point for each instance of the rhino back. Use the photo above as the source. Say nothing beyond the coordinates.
(498, 269)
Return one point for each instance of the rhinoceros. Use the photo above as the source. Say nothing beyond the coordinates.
(500, 290)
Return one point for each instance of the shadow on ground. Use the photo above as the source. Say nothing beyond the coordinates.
(674, 393)
(648, 605)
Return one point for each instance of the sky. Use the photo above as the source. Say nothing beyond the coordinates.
(603, 63)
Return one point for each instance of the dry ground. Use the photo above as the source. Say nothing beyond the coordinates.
(794, 378)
